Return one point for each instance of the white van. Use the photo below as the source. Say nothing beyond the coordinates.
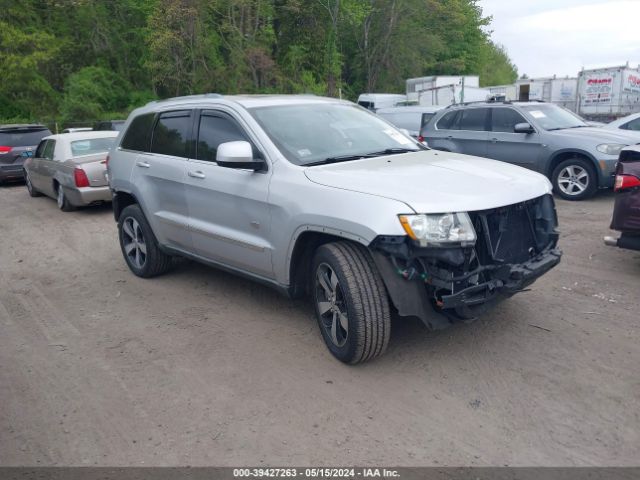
(411, 118)
(375, 101)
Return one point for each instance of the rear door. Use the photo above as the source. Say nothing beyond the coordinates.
(470, 131)
(229, 213)
(159, 173)
(523, 149)
(46, 168)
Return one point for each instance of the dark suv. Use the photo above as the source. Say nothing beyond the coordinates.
(109, 125)
(18, 142)
(577, 158)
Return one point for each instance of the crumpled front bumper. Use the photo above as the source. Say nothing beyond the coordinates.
(508, 280)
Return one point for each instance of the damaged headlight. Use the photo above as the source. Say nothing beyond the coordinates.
(435, 230)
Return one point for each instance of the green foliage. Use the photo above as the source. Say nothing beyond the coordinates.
(83, 60)
(92, 91)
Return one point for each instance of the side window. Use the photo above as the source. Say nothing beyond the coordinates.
(138, 135)
(48, 149)
(505, 119)
(170, 133)
(474, 119)
(213, 130)
(447, 121)
(40, 149)
(632, 125)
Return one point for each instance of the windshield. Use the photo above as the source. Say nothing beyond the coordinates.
(553, 117)
(91, 146)
(312, 134)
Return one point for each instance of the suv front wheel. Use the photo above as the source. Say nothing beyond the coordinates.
(139, 245)
(574, 179)
(352, 307)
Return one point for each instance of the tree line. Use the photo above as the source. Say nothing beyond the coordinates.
(82, 60)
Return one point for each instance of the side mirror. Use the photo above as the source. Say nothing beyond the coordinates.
(237, 155)
(523, 128)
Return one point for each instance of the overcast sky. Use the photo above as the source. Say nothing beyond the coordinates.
(546, 37)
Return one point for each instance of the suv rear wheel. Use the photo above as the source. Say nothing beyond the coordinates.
(139, 245)
(574, 179)
(351, 302)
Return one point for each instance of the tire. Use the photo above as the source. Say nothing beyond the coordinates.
(575, 179)
(63, 201)
(30, 188)
(359, 302)
(139, 245)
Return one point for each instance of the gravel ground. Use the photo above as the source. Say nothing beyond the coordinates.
(198, 367)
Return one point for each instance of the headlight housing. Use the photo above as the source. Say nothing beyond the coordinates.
(610, 148)
(440, 229)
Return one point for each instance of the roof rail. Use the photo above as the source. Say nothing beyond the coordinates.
(186, 97)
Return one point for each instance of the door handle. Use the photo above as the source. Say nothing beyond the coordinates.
(494, 140)
(143, 164)
(197, 174)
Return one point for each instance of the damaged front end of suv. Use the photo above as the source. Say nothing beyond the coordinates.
(452, 266)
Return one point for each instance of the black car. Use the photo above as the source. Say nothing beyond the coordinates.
(18, 142)
(109, 125)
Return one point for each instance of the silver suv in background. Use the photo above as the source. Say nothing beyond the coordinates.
(576, 157)
(318, 196)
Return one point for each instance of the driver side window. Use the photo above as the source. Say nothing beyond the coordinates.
(214, 129)
(505, 120)
(49, 149)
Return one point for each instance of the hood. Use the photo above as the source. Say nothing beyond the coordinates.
(598, 135)
(434, 181)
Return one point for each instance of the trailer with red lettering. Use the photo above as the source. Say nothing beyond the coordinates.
(608, 93)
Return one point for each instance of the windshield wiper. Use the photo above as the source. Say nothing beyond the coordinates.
(566, 128)
(392, 151)
(338, 159)
(346, 158)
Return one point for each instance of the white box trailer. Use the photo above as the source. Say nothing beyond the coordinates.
(506, 93)
(450, 94)
(608, 93)
(417, 85)
(561, 91)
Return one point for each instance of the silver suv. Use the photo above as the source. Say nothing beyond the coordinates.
(319, 196)
(544, 137)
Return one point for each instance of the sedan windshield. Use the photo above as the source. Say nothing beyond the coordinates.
(324, 133)
(553, 117)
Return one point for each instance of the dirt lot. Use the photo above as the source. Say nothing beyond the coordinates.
(199, 367)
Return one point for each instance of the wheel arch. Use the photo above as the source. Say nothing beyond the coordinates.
(304, 245)
(565, 154)
(122, 200)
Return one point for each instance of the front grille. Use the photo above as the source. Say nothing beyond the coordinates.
(515, 233)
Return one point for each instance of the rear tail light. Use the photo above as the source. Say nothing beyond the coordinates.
(80, 176)
(421, 138)
(626, 181)
(4, 150)
(106, 161)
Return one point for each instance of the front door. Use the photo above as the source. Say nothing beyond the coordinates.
(228, 208)
(522, 149)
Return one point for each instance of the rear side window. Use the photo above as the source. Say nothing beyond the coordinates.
(447, 121)
(138, 135)
(40, 149)
(49, 149)
(170, 133)
(215, 129)
(22, 137)
(474, 119)
(505, 119)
